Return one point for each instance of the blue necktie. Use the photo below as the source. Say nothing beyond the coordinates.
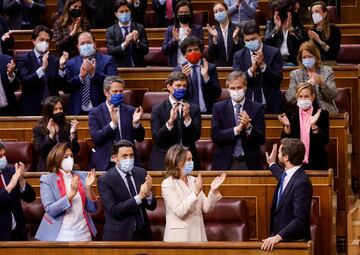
(127, 49)
(238, 150)
(138, 217)
(85, 98)
(197, 90)
(280, 191)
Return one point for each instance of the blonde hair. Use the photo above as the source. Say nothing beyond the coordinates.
(175, 156)
(304, 85)
(311, 47)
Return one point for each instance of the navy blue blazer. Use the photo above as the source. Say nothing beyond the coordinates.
(211, 90)
(33, 86)
(163, 139)
(114, 39)
(170, 47)
(120, 207)
(270, 79)
(104, 136)
(291, 218)
(105, 65)
(217, 51)
(11, 203)
(9, 88)
(222, 134)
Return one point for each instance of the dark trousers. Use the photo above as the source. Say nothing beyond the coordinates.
(140, 235)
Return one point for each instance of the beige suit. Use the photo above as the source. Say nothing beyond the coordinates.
(184, 219)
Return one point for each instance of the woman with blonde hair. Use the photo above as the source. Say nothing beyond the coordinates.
(184, 199)
(321, 77)
(325, 35)
(309, 124)
(68, 199)
(70, 24)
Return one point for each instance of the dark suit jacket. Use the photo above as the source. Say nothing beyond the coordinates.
(163, 139)
(33, 86)
(10, 203)
(318, 159)
(9, 88)
(291, 219)
(114, 39)
(8, 43)
(222, 134)
(43, 144)
(120, 208)
(270, 80)
(211, 90)
(217, 51)
(104, 16)
(105, 65)
(104, 136)
(138, 12)
(16, 13)
(170, 47)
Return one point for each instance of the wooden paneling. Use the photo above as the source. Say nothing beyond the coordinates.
(149, 248)
(256, 188)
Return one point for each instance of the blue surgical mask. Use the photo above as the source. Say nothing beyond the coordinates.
(124, 17)
(87, 50)
(308, 62)
(179, 93)
(253, 45)
(189, 166)
(3, 162)
(126, 165)
(116, 99)
(220, 16)
(304, 104)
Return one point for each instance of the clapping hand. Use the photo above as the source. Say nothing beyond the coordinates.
(90, 178)
(245, 119)
(314, 119)
(73, 187)
(6, 36)
(10, 68)
(216, 183)
(138, 113)
(175, 34)
(186, 111)
(135, 36)
(204, 69)
(186, 69)
(15, 178)
(213, 32)
(74, 126)
(284, 120)
(45, 61)
(63, 59)
(272, 157)
(51, 128)
(198, 184)
(235, 35)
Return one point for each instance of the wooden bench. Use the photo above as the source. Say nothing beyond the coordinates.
(150, 248)
(256, 188)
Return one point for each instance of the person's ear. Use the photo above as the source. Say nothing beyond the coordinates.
(113, 158)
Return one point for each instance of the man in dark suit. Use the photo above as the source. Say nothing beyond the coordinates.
(8, 85)
(237, 128)
(13, 188)
(204, 87)
(290, 209)
(174, 121)
(126, 41)
(112, 121)
(125, 192)
(262, 65)
(41, 73)
(85, 74)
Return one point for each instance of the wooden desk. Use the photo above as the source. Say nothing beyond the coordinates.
(149, 248)
(257, 189)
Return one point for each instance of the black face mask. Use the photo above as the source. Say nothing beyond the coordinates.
(184, 18)
(75, 13)
(59, 118)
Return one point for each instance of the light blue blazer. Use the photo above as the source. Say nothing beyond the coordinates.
(55, 201)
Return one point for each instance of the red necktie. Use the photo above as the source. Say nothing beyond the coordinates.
(169, 10)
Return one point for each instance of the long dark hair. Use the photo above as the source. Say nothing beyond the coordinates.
(48, 113)
(325, 35)
(177, 7)
(65, 19)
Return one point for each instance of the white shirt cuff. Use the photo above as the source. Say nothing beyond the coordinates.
(40, 72)
(137, 199)
(62, 73)
(22, 189)
(187, 123)
(11, 79)
(136, 125)
(169, 127)
(263, 67)
(112, 125)
(272, 164)
(249, 129)
(250, 73)
(149, 198)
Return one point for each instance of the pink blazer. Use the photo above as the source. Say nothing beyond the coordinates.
(184, 219)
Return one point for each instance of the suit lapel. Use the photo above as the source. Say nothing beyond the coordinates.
(230, 114)
(118, 180)
(230, 41)
(118, 33)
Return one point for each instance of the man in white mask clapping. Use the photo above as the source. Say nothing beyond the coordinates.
(237, 128)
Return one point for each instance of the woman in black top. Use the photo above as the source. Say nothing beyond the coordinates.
(53, 128)
(325, 35)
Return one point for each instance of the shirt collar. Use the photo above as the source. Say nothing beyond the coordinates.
(173, 100)
(124, 25)
(290, 172)
(241, 102)
(122, 174)
(37, 54)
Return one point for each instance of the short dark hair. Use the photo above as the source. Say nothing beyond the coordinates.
(122, 143)
(120, 3)
(36, 31)
(175, 76)
(250, 27)
(86, 32)
(189, 41)
(293, 148)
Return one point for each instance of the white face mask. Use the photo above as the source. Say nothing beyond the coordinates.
(237, 95)
(317, 18)
(304, 104)
(67, 164)
(126, 165)
(42, 47)
(87, 50)
(3, 162)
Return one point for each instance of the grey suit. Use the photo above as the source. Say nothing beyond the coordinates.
(325, 96)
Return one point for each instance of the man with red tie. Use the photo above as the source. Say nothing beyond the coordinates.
(13, 187)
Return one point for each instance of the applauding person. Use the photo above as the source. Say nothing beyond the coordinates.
(68, 199)
(184, 199)
(53, 128)
(125, 192)
(224, 38)
(311, 125)
(10, 83)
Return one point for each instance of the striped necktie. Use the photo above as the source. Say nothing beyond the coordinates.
(85, 99)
